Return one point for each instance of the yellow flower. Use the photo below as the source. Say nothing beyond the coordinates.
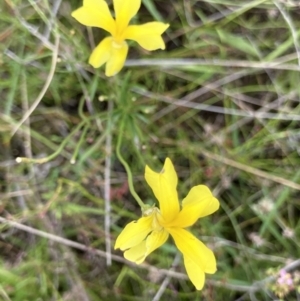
(141, 237)
(113, 50)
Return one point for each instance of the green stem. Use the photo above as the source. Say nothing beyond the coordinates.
(81, 140)
(60, 147)
(56, 153)
(127, 168)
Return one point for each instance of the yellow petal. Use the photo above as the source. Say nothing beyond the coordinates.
(155, 240)
(134, 233)
(138, 253)
(195, 273)
(125, 10)
(199, 203)
(147, 35)
(193, 249)
(111, 53)
(117, 59)
(95, 13)
(164, 185)
(101, 53)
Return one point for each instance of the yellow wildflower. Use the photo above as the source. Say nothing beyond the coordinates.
(113, 50)
(140, 238)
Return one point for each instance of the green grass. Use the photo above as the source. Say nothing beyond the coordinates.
(222, 101)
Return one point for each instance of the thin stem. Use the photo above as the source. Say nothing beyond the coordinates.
(167, 280)
(56, 153)
(127, 168)
(107, 184)
(45, 88)
(81, 140)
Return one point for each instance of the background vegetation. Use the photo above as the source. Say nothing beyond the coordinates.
(222, 102)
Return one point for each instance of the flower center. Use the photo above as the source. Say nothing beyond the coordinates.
(157, 218)
(156, 226)
(118, 44)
